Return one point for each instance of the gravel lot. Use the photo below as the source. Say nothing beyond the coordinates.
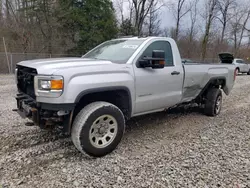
(159, 150)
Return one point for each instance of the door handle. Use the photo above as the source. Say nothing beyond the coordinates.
(175, 73)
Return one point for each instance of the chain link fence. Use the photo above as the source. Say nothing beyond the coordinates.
(8, 61)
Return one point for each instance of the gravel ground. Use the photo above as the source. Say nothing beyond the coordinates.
(159, 150)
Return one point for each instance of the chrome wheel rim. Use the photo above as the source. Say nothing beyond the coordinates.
(103, 131)
(218, 104)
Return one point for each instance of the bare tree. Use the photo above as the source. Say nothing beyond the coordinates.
(239, 24)
(137, 10)
(120, 7)
(30, 21)
(179, 13)
(211, 6)
(153, 22)
(192, 29)
(236, 27)
(243, 28)
(128, 5)
(1, 9)
(17, 25)
(141, 8)
(168, 32)
(224, 8)
(131, 10)
(248, 36)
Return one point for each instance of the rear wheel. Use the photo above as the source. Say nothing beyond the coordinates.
(213, 102)
(248, 73)
(237, 71)
(98, 129)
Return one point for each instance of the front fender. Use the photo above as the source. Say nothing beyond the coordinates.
(79, 81)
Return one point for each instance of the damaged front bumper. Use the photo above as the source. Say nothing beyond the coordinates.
(44, 114)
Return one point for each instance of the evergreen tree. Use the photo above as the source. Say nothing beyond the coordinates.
(127, 28)
(88, 22)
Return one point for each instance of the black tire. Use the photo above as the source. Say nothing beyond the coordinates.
(212, 98)
(82, 129)
(248, 73)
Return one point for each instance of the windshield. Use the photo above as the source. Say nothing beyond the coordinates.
(117, 51)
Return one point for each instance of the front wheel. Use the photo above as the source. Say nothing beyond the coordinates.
(98, 128)
(213, 102)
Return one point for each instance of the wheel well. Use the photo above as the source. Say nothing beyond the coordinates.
(120, 98)
(214, 83)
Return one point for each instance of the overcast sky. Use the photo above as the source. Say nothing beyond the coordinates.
(167, 18)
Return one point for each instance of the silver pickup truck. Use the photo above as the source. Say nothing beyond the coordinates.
(91, 97)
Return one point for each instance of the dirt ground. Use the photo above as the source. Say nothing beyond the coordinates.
(158, 150)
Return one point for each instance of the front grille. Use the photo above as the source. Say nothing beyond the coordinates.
(25, 80)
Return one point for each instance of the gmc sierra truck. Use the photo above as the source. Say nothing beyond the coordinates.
(92, 96)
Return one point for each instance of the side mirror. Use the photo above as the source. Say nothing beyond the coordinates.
(157, 61)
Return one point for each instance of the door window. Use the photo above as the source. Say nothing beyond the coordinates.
(160, 45)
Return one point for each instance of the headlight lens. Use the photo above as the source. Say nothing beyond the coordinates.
(44, 84)
(48, 86)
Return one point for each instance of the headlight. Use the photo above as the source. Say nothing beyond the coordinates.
(44, 84)
(48, 86)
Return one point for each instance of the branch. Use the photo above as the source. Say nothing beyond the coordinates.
(185, 13)
(153, 11)
(248, 30)
(219, 19)
(146, 13)
(40, 26)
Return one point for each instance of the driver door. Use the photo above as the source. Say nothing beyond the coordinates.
(158, 88)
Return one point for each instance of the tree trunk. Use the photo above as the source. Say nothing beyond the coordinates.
(205, 39)
(177, 29)
(235, 44)
(223, 33)
(212, 5)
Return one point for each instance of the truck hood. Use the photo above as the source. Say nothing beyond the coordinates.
(51, 65)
